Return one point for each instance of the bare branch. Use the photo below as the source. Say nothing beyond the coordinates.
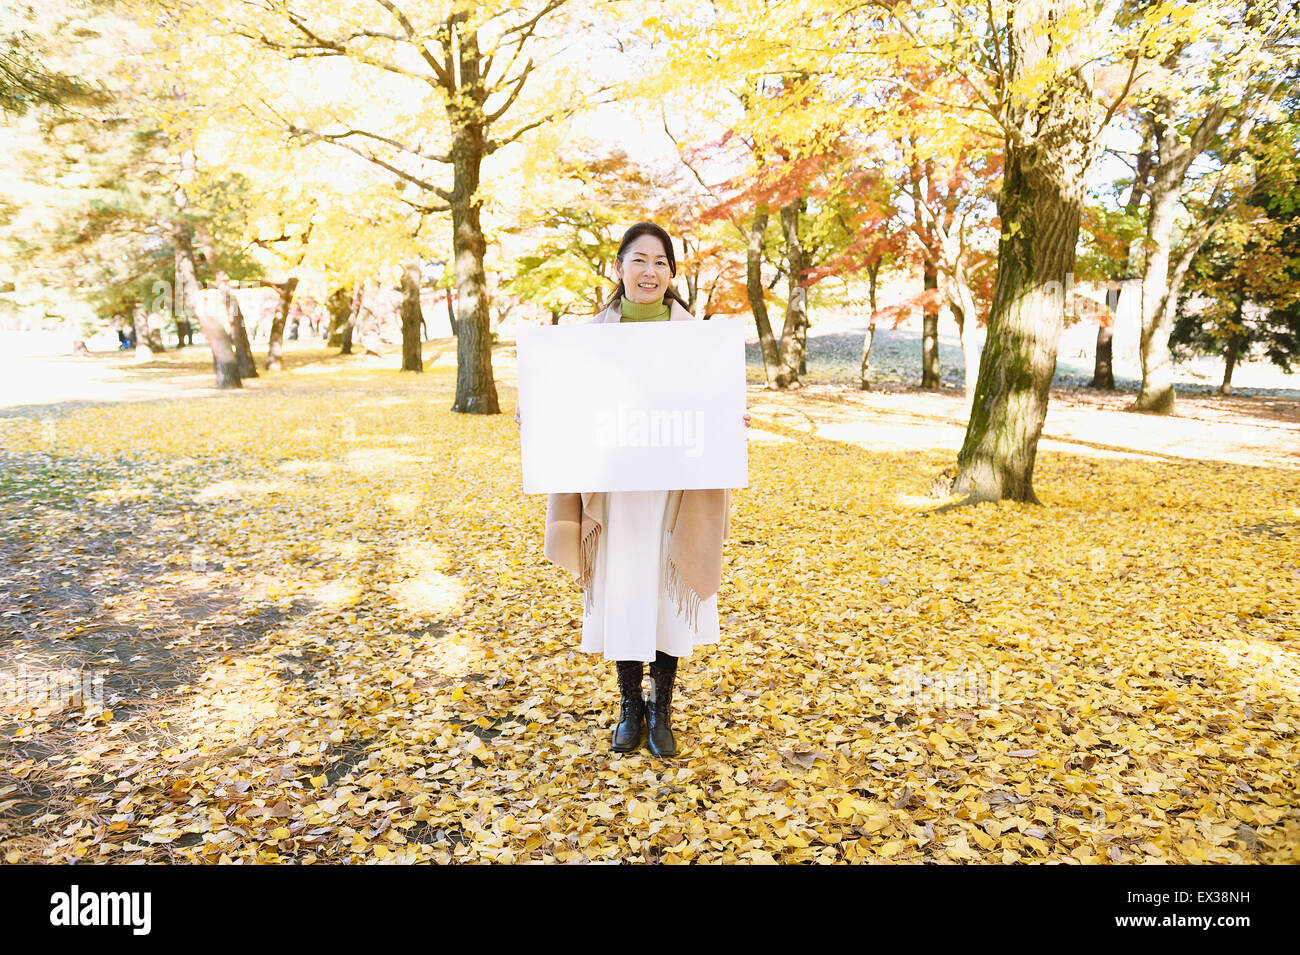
(440, 70)
(995, 133)
(1128, 84)
(391, 142)
(494, 144)
(994, 109)
(523, 32)
(327, 47)
(373, 35)
(695, 172)
(420, 207)
(997, 42)
(528, 26)
(514, 94)
(312, 135)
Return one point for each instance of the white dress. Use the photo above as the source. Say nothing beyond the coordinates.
(630, 616)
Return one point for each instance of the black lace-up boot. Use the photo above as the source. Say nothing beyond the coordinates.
(659, 705)
(627, 734)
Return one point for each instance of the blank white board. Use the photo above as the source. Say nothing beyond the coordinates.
(636, 406)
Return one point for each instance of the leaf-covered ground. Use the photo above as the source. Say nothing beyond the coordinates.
(326, 632)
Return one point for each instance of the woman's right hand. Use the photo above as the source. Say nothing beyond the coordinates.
(517, 418)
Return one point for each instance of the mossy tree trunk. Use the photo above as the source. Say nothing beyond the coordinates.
(1050, 145)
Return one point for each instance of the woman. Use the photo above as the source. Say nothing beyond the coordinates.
(649, 561)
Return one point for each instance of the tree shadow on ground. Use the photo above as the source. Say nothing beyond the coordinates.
(98, 621)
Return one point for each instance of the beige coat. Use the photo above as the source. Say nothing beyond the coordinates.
(698, 521)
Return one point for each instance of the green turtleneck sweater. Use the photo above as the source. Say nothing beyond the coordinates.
(643, 312)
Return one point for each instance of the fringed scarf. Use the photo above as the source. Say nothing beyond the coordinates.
(696, 523)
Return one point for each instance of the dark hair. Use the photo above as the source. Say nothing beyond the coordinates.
(630, 236)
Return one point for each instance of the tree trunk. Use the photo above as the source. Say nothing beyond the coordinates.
(692, 277)
(796, 310)
(1230, 349)
(930, 332)
(243, 351)
(338, 306)
(451, 313)
(354, 316)
(970, 355)
(925, 230)
(144, 350)
(412, 318)
(1157, 392)
(1103, 374)
(153, 333)
(275, 347)
(865, 371)
(1039, 205)
(1011, 393)
(1230, 362)
(754, 292)
(1174, 155)
(224, 363)
(961, 301)
(476, 391)
(234, 315)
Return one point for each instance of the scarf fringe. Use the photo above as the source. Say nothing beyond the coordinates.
(675, 586)
(688, 601)
(586, 565)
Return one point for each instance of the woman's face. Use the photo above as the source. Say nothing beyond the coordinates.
(644, 270)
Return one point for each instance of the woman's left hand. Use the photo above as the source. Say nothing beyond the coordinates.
(748, 404)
